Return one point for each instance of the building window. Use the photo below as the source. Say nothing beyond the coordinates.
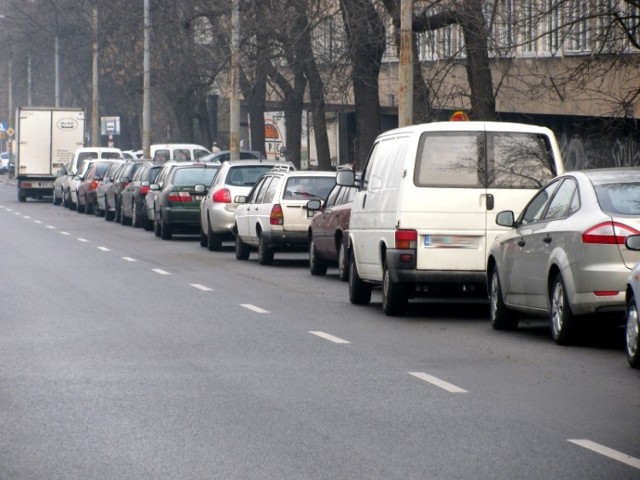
(578, 24)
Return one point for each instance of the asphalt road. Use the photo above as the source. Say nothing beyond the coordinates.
(123, 356)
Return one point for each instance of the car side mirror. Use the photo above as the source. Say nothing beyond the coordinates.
(200, 188)
(154, 187)
(506, 218)
(346, 178)
(632, 242)
(240, 199)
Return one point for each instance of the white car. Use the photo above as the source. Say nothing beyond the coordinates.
(79, 165)
(274, 216)
(632, 344)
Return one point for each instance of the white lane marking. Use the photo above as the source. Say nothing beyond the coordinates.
(438, 382)
(253, 308)
(160, 271)
(104, 249)
(51, 227)
(27, 217)
(331, 338)
(129, 259)
(83, 240)
(608, 452)
(201, 287)
(37, 221)
(65, 233)
(17, 213)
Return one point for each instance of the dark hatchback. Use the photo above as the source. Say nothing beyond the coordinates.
(177, 205)
(87, 190)
(133, 210)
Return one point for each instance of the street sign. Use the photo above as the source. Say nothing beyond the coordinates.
(3, 127)
(11, 132)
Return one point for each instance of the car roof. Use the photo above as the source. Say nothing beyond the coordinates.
(610, 175)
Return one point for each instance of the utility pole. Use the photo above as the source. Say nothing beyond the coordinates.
(95, 128)
(405, 93)
(234, 113)
(146, 97)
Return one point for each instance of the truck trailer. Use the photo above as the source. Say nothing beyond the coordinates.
(46, 139)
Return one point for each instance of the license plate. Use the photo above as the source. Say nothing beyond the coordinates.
(197, 198)
(450, 241)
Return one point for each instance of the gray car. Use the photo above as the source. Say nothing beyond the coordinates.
(565, 255)
(217, 209)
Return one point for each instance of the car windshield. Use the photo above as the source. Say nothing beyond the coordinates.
(194, 176)
(619, 198)
(300, 188)
(246, 176)
(110, 155)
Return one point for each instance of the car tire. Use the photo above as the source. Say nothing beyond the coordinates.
(242, 249)
(563, 322)
(265, 254)
(166, 232)
(108, 215)
(501, 317)
(124, 220)
(156, 226)
(79, 208)
(632, 344)
(203, 237)
(88, 206)
(116, 213)
(214, 242)
(394, 295)
(65, 202)
(96, 209)
(56, 199)
(317, 266)
(359, 291)
(343, 262)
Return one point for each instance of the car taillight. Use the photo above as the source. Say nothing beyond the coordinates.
(144, 190)
(93, 185)
(222, 195)
(406, 239)
(179, 197)
(609, 233)
(276, 217)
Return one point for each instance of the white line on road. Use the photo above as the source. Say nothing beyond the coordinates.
(201, 287)
(129, 259)
(438, 382)
(51, 227)
(27, 217)
(104, 249)
(65, 233)
(160, 271)
(83, 240)
(331, 338)
(608, 452)
(38, 221)
(253, 308)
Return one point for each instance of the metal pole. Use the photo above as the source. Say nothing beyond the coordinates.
(29, 79)
(405, 93)
(234, 114)
(95, 130)
(146, 98)
(57, 70)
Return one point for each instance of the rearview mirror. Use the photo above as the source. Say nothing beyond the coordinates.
(505, 218)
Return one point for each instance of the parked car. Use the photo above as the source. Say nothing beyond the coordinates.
(225, 156)
(178, 152)
(133, 211)
(78, 167)
(423, 216)
(274, 217)
(110, 197)
(632, 300)
(329, 231)
(88, 186)
(155, 187)
(218, 207)
(4, 162)
(100, 208)
(177, 205)
(565, 255)
(62, 176)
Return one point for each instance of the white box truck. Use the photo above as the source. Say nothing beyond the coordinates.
(46, 139)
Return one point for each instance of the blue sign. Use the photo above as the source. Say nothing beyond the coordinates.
(3, 127)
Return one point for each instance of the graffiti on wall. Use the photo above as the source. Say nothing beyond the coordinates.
(581, 152)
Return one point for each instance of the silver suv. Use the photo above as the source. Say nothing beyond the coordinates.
(274, 216)
(218, 207)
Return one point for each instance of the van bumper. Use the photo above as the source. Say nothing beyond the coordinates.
(286, 240)
(402, 269)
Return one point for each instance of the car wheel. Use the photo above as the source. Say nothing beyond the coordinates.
(135, 218)
(359, 291)
(343, 262)
(203, 237)
(501, 317)
(56, 199)
(214, 242)
(88, 206)
(242, 249)
(96, 209)
(65, 202)
(79, 208)
(633, 334)
(317, 266)
(265, 254)
(117, 213)
(563, 324)
(108, 216)
(394, 295)
(166, 232)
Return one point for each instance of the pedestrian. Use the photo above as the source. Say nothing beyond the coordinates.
(215, 148)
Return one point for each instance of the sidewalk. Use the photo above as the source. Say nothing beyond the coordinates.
(4, 178)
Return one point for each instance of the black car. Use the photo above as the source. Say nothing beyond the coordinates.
(132, 198)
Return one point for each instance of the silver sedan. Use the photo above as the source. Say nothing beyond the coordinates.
(565, 255)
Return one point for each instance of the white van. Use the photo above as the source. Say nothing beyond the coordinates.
(424, 217)
(178, 152)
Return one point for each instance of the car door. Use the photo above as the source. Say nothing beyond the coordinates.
(516, 278)
(245, 211)
(261, 212)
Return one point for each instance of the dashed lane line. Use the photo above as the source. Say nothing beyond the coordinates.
(201, 287)
(83, 240)
(449, 387)
(607, 452)
(104, 249)
(329, 337)
(253, 308)
(160, 271)
(128, 259)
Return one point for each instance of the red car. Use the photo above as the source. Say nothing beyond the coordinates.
(328, 232)
(88, 187)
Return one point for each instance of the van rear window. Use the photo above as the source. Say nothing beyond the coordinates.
(479, 160)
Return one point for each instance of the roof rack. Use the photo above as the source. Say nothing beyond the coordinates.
(282, 168)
